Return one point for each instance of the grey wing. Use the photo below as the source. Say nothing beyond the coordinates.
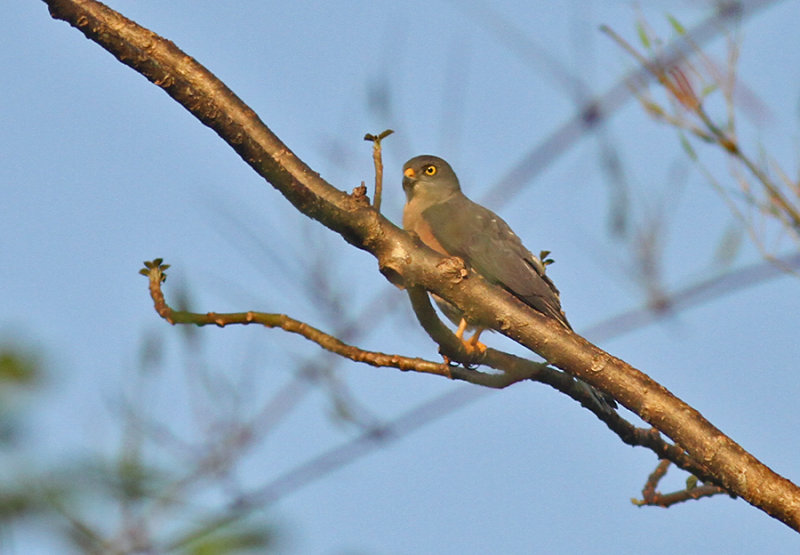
(487, 244)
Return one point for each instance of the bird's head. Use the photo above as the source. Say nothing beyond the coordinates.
(429, 177)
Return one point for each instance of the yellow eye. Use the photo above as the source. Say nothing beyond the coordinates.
(430, 170)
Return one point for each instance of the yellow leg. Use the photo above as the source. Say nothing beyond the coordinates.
(474, 343)
(462, 327)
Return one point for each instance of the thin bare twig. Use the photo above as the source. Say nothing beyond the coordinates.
(653, 498)
(155, 272)
(376, 157)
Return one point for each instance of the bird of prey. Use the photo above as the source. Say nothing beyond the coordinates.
(448, 222)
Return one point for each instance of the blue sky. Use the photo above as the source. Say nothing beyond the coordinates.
(102, 170)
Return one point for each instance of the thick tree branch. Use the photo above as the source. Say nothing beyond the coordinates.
(514, 369)
(404, 262)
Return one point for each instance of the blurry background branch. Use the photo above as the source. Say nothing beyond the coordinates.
(690, 82)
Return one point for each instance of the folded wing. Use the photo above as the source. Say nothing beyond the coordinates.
(487, 244)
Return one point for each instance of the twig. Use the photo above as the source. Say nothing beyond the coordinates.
(651, 497)
(376, 157)
(154, 271)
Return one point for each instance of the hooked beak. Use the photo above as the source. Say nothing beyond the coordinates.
(409, 176)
